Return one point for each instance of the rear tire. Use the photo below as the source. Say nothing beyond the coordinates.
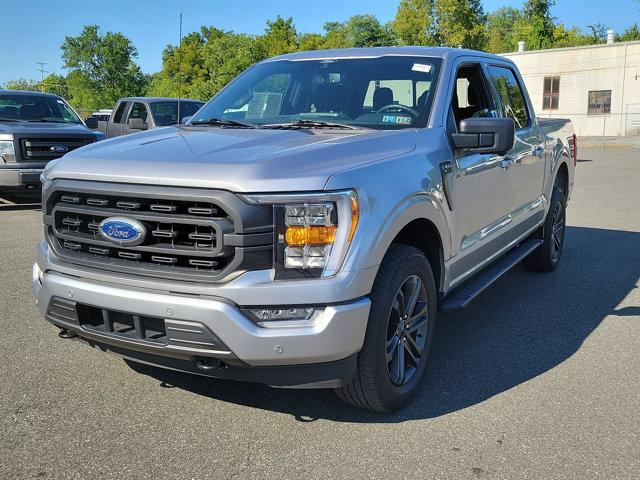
(392, 362)
(547, 256)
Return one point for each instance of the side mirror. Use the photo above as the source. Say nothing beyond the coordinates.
(186, 119)
(137, 124)
(91, 123)
(485, 135)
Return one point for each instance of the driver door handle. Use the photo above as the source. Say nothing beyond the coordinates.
(506, 162)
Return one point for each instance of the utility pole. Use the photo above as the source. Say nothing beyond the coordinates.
(42, 72)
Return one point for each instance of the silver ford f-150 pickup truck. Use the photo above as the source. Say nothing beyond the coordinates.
(306, 225)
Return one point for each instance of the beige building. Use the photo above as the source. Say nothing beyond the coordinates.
(597, 87)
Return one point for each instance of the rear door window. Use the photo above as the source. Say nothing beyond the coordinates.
(513, 104)
(138, 110)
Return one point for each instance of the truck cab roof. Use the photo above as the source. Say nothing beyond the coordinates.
(28, 92)
(157, 99)
(373, 52)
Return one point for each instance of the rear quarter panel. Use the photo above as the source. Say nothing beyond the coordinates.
(558, 134)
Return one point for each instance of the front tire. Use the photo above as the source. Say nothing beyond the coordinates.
(547, 256)
(392, 362)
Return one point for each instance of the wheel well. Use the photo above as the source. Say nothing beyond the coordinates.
(562, 177)
(423, 235)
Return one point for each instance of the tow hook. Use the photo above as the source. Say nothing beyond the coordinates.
(64, 333)
(205, 363)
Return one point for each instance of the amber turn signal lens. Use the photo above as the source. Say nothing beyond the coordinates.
(355, 215)
(315, 235)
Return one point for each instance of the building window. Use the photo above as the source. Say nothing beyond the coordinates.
(599, 102)
(551, 93)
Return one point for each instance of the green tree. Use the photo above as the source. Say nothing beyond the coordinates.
(460, 23)
(367, 31)
(336, 36)
(538, 25)
(208, 60)
(23, 84)
(598, 32)
(310, 41)
(572, 37)
(414, 23)
(359, 31)
(185, 65)
(226, 57)
(499, 30)
(279, 37)
(101, 68)
(56, 84)
(631, 33)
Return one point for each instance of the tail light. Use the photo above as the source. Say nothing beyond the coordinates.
(575, 150)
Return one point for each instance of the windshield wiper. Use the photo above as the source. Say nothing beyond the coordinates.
(9, 120)
(309, 124)
(225, 122)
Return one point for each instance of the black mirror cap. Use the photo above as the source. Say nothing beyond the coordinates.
(485, 135)
(91, 123)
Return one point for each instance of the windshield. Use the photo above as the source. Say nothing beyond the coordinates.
(34, 108)
(385, 93)
(166, 113)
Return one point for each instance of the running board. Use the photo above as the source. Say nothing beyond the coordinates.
(463, 295)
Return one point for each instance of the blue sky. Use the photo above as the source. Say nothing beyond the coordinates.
(32, 30)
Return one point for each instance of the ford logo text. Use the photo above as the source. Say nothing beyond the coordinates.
(123, 231)
(59, 148)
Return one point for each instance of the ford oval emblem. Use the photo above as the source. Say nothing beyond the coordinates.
(59, 148)
(123, 231)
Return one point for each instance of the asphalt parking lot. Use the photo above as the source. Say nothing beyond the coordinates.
(540, 378)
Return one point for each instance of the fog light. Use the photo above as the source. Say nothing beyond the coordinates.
(282, 317)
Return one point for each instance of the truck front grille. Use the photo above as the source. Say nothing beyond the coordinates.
(191, 234)
(50, 148)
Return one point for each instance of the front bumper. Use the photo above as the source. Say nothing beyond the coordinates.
(337, 333)
(20, 177)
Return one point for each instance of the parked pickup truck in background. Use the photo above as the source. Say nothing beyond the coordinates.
(135, 114)
(102, 116)
(34, 129)
(305, 226)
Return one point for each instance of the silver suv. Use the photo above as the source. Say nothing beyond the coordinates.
(306, 225)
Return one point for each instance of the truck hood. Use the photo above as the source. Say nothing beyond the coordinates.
(239, 160)
(46, 128)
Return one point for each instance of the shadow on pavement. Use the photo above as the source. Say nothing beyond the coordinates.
(524, 325)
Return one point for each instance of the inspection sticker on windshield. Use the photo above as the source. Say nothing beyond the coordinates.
(421, 67)
(397, 119)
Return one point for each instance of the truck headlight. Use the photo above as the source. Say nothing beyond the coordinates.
(7, 151)
(313, 232)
